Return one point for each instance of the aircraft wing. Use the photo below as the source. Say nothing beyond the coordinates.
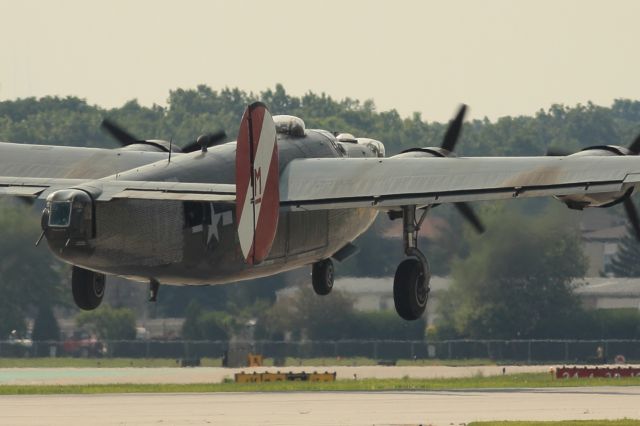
(390, 183)
(148, 190)
(34, 187)
(109, 189)
(34, 171)
(69, 162)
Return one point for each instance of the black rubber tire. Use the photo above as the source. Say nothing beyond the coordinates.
(410, 290)
(322, 277)
(87, 288)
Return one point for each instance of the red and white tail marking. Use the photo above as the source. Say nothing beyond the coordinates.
(257, 186)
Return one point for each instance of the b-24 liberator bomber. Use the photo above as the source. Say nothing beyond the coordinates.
(280, 197)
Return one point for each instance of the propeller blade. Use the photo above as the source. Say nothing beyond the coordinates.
(468, 213)
(210, 139)
(556, 152)
(632, 214)
(635, 146)
(453, 132)
(118, 132)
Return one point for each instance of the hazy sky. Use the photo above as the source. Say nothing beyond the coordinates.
(501, 57)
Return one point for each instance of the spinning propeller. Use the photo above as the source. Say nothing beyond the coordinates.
(629, 206)
(207, 140)
(449, 143)
(632, 214)
(125, 138)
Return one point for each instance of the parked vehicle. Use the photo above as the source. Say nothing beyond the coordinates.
(84, 345)
(18, 346)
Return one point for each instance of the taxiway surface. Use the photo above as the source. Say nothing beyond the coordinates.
(323, 408)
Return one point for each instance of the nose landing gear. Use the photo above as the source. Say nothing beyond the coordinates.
(411, 281)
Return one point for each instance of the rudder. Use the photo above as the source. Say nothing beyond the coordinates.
(257, 183)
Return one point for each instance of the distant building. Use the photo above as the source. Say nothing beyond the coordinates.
(376, 294)
(610, 293)
(601, 234)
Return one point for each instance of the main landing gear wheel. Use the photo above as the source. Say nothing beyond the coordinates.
(410, 289)
(87, 288)
(411, 282)
(322, 277)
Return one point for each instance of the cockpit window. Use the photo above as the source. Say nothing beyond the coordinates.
(60, 213)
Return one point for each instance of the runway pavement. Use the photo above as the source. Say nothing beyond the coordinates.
(82, 376)
(323, 408)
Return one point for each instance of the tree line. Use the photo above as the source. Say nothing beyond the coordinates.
(189, 113)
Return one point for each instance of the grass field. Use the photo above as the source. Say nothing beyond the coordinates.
(215, 362)
(91, 362)
(509, 381)
(622, 422)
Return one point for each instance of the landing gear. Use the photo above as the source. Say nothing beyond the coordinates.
(411, 282)
(322, 277)
(410, 289)
(154, 286)
(87, 288)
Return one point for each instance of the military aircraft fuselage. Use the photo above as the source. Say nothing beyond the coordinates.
(193, 243)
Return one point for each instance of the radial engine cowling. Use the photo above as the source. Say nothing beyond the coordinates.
(430, 151)
(606, 199)
(152, 145)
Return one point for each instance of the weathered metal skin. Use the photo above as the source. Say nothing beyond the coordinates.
(196, 243)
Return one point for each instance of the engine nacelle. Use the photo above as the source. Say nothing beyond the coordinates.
(430, 151)
(152, 145)
(607, 199)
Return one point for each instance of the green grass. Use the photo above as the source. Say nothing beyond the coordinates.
(623, 422)
(361, 361)
(84, 362)
(471, 362)
(99, 362)
(509, 381)
(215, 362)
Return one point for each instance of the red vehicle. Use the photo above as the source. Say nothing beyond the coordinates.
(82, 344)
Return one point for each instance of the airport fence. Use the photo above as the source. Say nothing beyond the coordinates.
(521, 351)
